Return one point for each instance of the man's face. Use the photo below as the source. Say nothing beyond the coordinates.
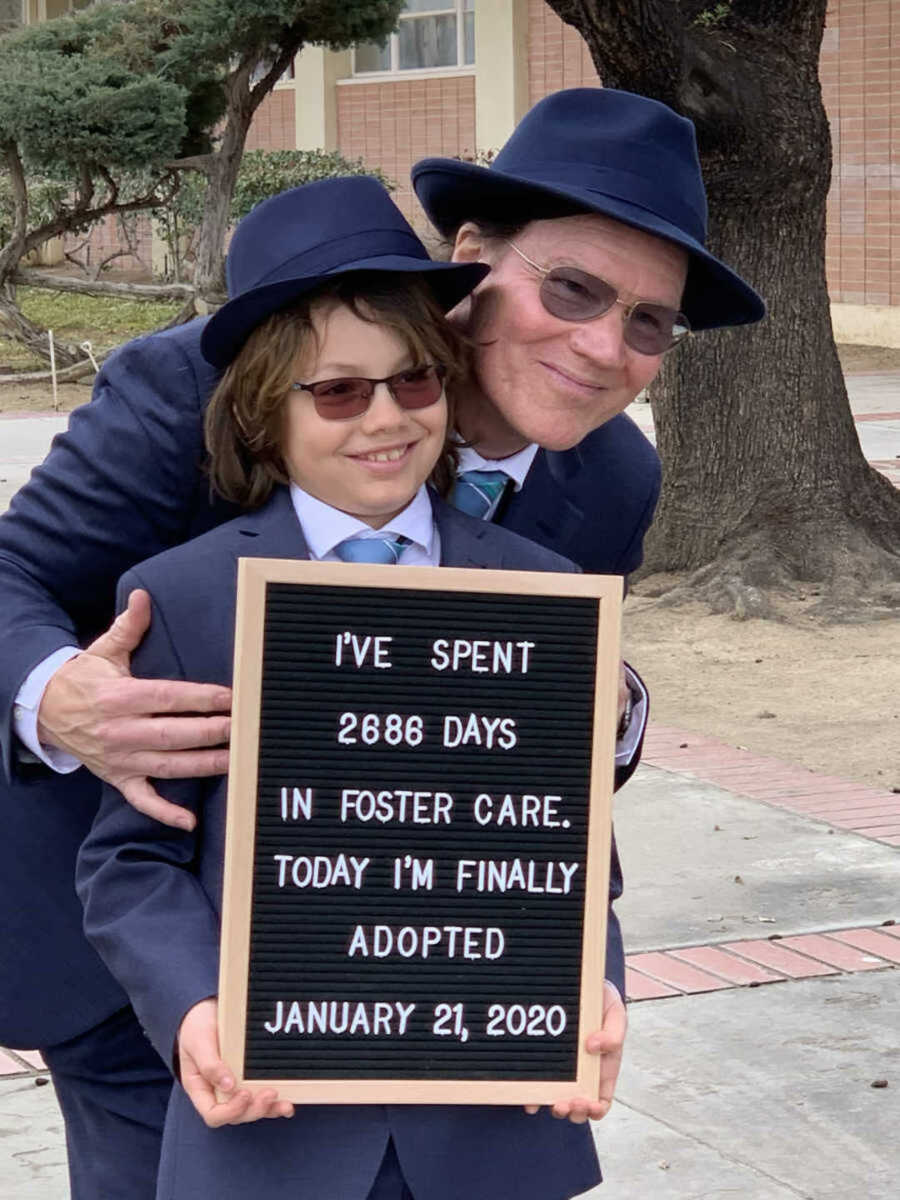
(543, 379)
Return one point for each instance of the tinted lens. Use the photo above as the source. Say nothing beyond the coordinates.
(417, 388)
(653, 329)
(341, 399)
(574, 295)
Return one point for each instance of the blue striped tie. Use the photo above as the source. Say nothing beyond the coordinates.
(479, 492)
(384, 549)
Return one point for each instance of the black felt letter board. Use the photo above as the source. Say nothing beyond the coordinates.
(420, 834)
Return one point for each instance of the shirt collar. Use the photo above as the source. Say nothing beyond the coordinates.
(516, 465)
(324, 527)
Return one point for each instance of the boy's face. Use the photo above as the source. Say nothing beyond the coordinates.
(372, 465)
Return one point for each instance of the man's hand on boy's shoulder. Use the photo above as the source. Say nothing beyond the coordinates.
(204, 1076)
(128, 730)
(608, 1042)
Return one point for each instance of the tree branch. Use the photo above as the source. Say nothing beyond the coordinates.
(195, 162)
(263, 86)
(63, 221)
(96, 287)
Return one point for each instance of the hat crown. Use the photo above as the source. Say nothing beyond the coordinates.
(309, 236)
(317, 228)
(616, 144)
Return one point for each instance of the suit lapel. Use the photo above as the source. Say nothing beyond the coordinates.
(544, 509)
(272, 531)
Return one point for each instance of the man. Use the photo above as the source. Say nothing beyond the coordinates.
(593, 220)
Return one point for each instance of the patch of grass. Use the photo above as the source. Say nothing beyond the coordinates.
(14, 357)
(71, 316)
(104, 321)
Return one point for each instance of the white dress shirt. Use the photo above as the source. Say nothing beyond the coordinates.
(325, 527)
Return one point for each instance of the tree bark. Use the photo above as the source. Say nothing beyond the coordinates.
(222, 166)
(28, 277)
(764, 480)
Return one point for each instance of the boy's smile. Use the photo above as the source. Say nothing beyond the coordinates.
(373, 464)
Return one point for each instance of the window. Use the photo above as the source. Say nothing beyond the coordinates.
(430, 34)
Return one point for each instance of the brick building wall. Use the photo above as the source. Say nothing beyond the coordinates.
(860, 73)
(105, 239)
(393, 124)
(274, 123)
(557, 54)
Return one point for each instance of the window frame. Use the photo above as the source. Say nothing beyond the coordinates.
(394, 71)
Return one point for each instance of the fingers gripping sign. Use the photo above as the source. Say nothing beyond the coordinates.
(210, 1083)
(126, 730)
(607, 1042)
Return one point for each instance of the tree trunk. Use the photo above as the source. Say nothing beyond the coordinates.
(764, 479)
(221, 167)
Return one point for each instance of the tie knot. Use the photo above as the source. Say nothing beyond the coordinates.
(386, 548)
(478, 492)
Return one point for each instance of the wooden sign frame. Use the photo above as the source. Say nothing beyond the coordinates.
(254, 578)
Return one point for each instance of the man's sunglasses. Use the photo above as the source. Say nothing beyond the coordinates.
(342, 399)
(574, 295)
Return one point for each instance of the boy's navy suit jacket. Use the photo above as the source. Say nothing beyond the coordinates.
(122, 484)
(152, 897)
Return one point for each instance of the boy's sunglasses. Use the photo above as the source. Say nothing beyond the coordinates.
(574, 295)
(342, 399)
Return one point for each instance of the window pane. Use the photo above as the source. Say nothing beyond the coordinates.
(469, 5)
(370, 57)
(469, 34)
(418, 6)
(427, 42)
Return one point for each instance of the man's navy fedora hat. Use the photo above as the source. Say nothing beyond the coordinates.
(304, 237)
(588, 150)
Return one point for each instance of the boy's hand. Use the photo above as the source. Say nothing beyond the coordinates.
(608, 1043)
(203, 1071)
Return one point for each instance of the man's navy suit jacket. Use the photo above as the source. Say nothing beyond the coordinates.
(152, 898)
(125, 482)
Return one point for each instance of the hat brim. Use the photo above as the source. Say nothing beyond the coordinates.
(228, 329)
(453, 192)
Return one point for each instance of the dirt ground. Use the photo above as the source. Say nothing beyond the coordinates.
(827, 697)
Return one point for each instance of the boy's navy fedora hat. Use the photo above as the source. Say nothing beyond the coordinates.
(301, 238)
(597, 150)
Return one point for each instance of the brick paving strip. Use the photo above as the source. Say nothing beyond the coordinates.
(855, 807)
(652, 975)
